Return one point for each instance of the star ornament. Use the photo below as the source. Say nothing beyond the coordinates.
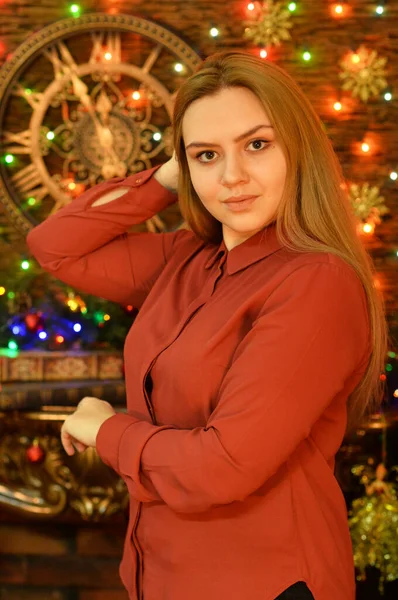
(363, 73)
(271, 25)
(367, 203)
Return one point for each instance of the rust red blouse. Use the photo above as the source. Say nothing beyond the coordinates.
(238, 368)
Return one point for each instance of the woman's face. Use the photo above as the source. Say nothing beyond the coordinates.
(232, 151)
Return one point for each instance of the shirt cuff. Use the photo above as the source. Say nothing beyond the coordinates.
(119, 443)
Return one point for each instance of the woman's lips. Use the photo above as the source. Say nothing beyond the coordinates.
(239, 205)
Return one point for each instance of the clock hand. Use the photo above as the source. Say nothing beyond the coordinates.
(112, 164)
(80, 89)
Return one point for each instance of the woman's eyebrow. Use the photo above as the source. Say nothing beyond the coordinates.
(238, 139)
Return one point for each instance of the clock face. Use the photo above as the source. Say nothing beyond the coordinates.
(85, 100)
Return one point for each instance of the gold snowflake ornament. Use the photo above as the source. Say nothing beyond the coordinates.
(271, 26)
(363, 73)
(373, 521)
(367, 203)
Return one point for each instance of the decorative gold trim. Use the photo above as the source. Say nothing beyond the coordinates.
(80, 483)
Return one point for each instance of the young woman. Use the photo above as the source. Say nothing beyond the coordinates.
(259, 330)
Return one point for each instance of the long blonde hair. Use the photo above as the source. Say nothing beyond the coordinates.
(314, 214)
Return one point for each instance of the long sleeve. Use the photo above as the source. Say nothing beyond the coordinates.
(89, 247)
(303, 351)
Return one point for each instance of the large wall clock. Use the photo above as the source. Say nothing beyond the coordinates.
(85, 100)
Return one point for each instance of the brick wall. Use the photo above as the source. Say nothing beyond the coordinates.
(45, 561)
(328, 38)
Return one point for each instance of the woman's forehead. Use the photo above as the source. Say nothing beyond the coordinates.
(230, 112)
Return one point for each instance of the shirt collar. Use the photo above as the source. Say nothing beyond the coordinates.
(255, 248)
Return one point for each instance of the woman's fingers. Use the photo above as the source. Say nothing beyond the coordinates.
(80, 447)
(70, 444)
(66, 440)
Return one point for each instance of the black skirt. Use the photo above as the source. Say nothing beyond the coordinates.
(298, 591)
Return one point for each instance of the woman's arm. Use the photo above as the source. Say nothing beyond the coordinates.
(307, 350)
(86, 244)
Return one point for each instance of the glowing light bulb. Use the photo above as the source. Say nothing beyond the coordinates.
(16, 330)
(250, 6)
(157, 137)
(31, 201)
(292, 6)
(337, 106)
(42, 335)
(388, 96)
(2, 290)
(136, 95)
(108, 56)
(214, 32)
(307, 55)
(338, 9)
(395, 394)
(106, 317)
(77, 327)
(25, 264)
(379, 9)
(50, 135)
(12, 345)
(394, 175)
(74, 9)
(368, 228)
(178, 67)
(355, 58)
(263, 53)
(365, 147)
(59, 339)
(9, 158)
(72, 185)
(73, 305)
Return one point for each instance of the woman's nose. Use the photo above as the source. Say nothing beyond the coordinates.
(233, 173)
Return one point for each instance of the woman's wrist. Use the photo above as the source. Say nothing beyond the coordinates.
(167, 177)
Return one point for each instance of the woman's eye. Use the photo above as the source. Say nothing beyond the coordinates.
(206, 155)
(260, 144)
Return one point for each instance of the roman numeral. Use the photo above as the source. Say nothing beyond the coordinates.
(104, 44)
(28, 182)
(33, 98)
(22, 138)
(61, 59)
(155, 224)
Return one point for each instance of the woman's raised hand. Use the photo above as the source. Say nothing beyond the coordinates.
(167, 175)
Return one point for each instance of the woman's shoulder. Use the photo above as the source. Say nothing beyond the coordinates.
(332, 261)
(324, 269)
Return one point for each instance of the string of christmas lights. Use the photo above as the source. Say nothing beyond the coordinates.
(266, 24)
